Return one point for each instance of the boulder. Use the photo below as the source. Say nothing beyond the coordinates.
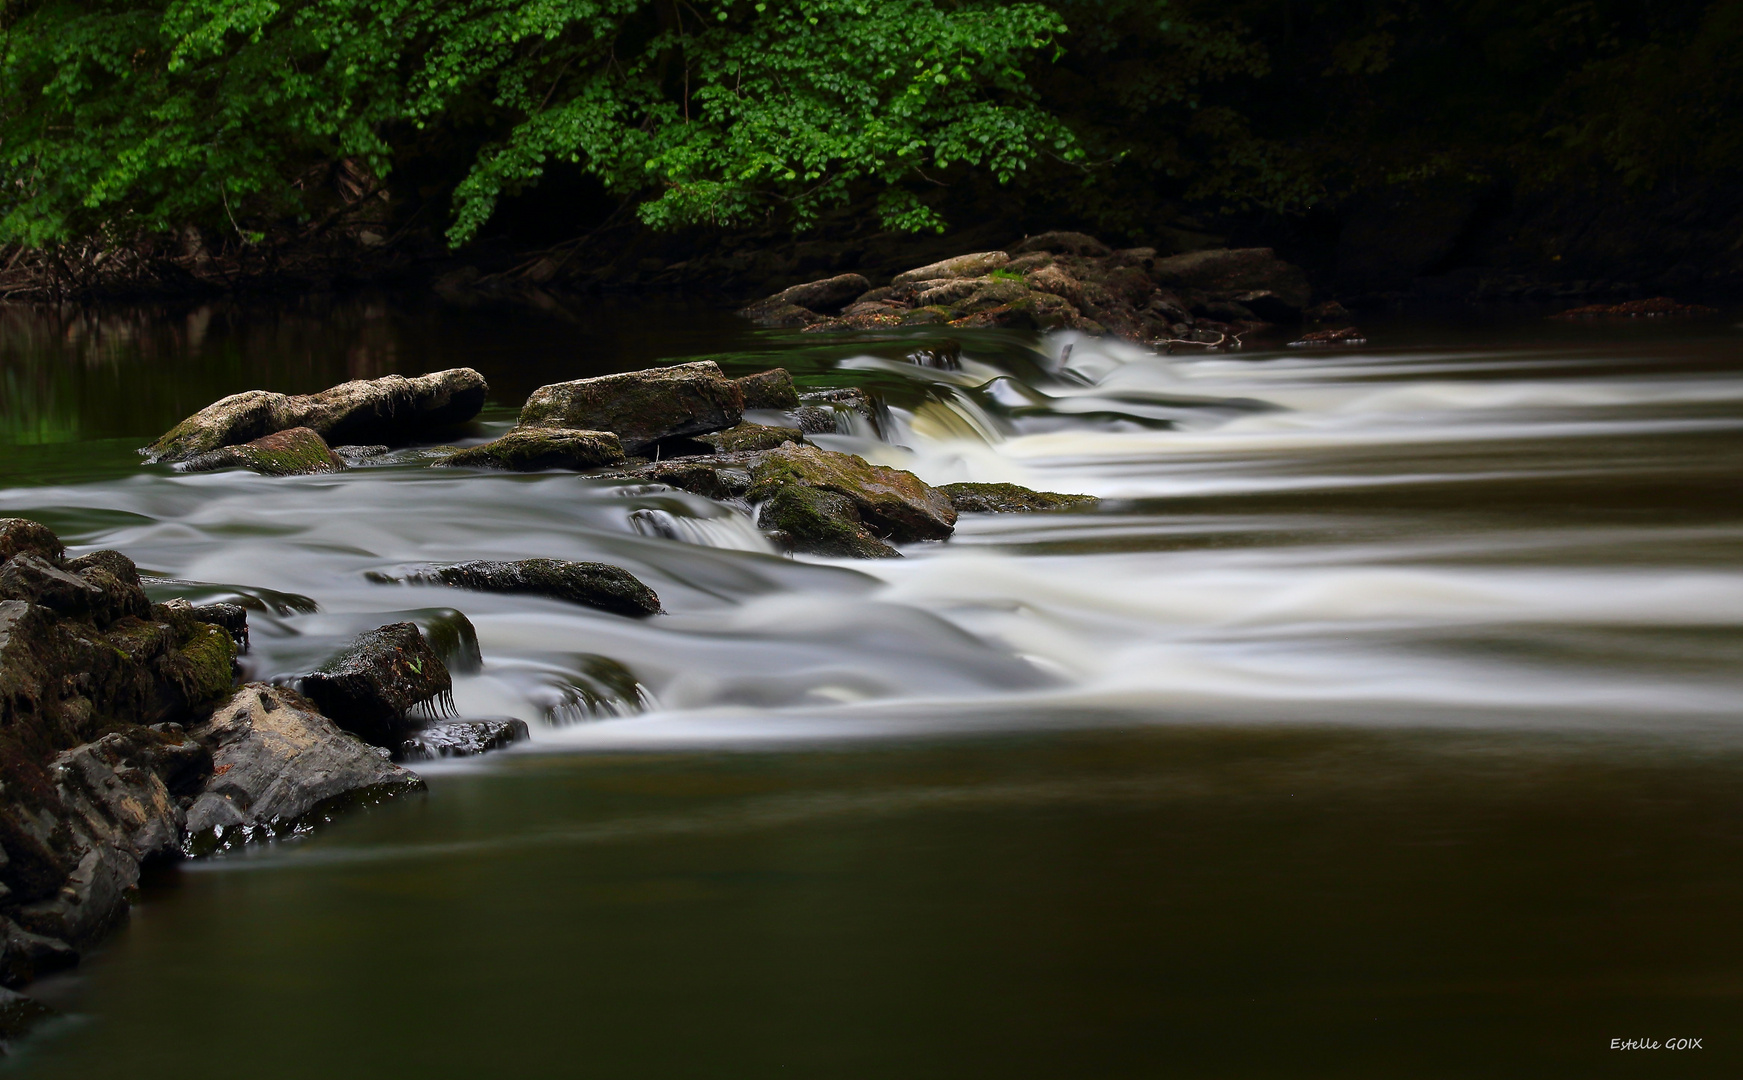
(1229, 271)
(823, 297)
(25, 957)
(840, 410)
(462, 738)
(37, 581)
(894, 503)
(976, 265)
(748, 436)
(295, 451)
(970, 498)
(392, 409)
(590, 584)
(771, 389)
(819, 522)
(534, 449)
(1064, 243)
(371, 686)
(22, 534)
(279, 764)
(642, 407)
(713, 477)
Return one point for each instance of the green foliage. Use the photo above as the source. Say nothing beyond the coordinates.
(132, 114)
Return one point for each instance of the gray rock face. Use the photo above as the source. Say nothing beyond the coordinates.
(641, 407)
(296, 451)
(960, 266)
(590, 584)
(462, 738)
(823, 297)
(772, 389)
(369, 688)
(278, 764)
(1236, 270)
(534, 449)
(34, 579)
(392, 409)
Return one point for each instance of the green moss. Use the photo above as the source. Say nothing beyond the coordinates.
(821, 523)
(1009, 499)
(533, 449)
(205, 665)
(751, 437)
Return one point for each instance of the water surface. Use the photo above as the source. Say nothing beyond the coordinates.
(1382, 719)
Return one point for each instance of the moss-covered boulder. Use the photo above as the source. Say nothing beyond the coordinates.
(392, 409)
(590, 584)
(822, 297)
(22, 534)
(642, 407)
(375, 682)
(819, 522)
(771, 389)
(534, 449)
(976, 265)
(748, 436)
(298, 451)
(1008, 499)
(894, 503)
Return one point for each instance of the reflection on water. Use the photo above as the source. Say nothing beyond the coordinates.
(1384, 695)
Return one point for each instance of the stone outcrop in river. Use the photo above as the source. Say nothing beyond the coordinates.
(372, 686)
(296, 451)
(641, 407)
(392, 410)
(1061, 280)
(525, 449)
(589, 584)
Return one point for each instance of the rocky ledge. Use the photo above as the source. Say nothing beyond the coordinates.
(124, 740)
(1061, 280)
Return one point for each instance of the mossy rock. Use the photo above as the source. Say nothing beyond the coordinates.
(895, 503)
(1008, 499)
(31, 537)
(590, 584)
(819, 522)
(534, 449)
(641, 407)
(772, 389)
(748, 436)
(371, 686)
(298, 451)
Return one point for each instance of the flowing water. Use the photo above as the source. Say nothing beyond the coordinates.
(1382, 719)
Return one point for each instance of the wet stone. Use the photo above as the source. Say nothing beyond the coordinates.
(371, 686)
(589, 584)
(1009, 499)
(816, 522)
(462, 738)
(298, 451)
(534, 449)
(772, 389)
(641, 407)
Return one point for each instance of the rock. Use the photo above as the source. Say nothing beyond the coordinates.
(462, 738)
(712, 477)
(781, 316)
(114, 575)
(771, 389)
(894, 503)
(1657, 306)
(819, 522)
(1237, 270)
(453, 637)
(279, 765)
(534, 449)
(1326, 312)
(23, 535)
(296, 451)
(376, 680)
(392, 409)
(590, 584)
(1064, 243)
(26, 957)
(823, 297)
(946, 293)
(1008, 499)
(353, 455)
(976, 265)
(1347, 335)
(35, 580)
(839, 411)
(748, 436)
(642, 407)
(232, 617)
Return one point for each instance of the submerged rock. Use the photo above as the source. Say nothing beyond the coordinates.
(392, 409)
(894, 503)
(772, 389)
(295, 451)
(534, 449)
(1008, 499)
(590, 584)
(371, 686)
(462, 738)
(748, 436)
(279, 764)
(818, 522)
(641, 407)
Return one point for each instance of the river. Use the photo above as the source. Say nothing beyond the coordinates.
(1382, 720)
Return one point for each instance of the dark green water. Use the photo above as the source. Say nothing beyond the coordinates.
(1384, 722)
